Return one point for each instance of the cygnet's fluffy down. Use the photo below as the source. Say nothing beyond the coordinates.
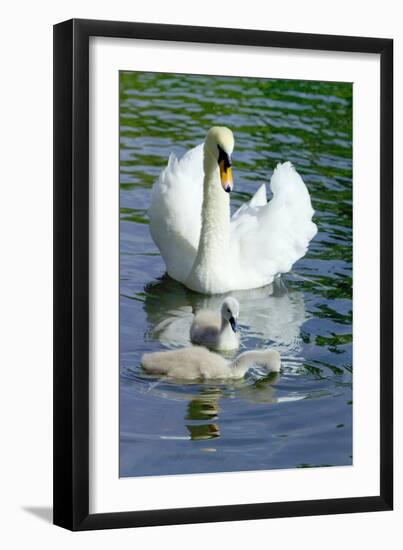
(217, 330)
(199, 363)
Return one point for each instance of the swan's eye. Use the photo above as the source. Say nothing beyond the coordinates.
(224, 158)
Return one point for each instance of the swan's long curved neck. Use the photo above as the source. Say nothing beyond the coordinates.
(215, 227)
(225, 328)
(244, 361)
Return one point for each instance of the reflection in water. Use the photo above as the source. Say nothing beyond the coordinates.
(202, 418)
(205, 407)
(272, 315)
(203, 431)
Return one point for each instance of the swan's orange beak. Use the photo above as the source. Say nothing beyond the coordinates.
(226, 176)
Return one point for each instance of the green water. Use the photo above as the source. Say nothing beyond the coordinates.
(302, 418)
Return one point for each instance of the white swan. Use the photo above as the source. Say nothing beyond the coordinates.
(199, 363)
(207, 250)
(217, 330)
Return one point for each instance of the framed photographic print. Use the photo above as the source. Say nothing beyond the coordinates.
(223, 320)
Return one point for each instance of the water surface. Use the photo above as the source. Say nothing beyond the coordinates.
(302, 418)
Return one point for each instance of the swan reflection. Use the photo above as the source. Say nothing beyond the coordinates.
(204, 411)
(270, 315)
(204, 408)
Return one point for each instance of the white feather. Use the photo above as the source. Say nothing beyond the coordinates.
(175, 211)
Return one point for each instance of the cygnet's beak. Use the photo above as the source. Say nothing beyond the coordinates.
(224, 162)
(233, 324)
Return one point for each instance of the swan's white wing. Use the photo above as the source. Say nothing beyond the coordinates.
(258, 199)
(268, 239)
(175, 211)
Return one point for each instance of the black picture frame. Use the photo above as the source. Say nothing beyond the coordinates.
(72, 285)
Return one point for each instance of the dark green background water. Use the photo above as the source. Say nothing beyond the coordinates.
(304, 417)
